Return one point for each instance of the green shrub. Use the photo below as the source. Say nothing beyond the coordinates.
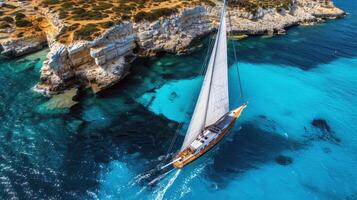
(4, 25)
(122, 9)
(252, 6)
(62, 14)
(78, 11)
(19, 15)
(154, 14)
(7, 19)
(86, 32)
(5, 5)
(49, 2)
(73, 27)
(82, 14)
(67, 5)
(102, 6)
(107, 24)
(23, 23)
(125, 17)
(86, 1)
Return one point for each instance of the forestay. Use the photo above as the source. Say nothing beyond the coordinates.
(213, 100)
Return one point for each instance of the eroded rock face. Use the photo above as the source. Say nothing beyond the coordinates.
(270, 21)
(103, 62)
(174, 34)
(97, 64)
(15, 47)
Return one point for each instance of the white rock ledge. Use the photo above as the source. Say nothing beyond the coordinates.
(103, 62)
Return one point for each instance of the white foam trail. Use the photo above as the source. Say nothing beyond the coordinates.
(161, 193)
(159, 177)
(185, 188)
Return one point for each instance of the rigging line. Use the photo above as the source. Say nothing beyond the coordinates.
(214, 58)
(174, 139)
(205, 61)
(202, 70)
(235, 58)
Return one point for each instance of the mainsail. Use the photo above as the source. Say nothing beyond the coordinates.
(213, 100)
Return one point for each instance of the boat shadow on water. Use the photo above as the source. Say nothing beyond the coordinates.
(248, 149)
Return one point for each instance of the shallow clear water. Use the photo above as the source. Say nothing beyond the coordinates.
(104, 146)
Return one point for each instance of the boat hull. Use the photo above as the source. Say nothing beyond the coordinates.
(193, 156)
(204, 150)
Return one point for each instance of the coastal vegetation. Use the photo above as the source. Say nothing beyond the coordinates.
(154, 14)
(86, 19)
(17, 22)
(86, 32)
(108, 13)
(253, 5)
(21, 20)
(79, 16)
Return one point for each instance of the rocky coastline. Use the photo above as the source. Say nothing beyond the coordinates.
(105, 60)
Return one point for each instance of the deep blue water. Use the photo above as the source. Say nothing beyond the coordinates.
(296, 140)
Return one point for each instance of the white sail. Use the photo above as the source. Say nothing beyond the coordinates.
(213, 100)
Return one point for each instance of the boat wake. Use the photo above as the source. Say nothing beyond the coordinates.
(151, 177)
(162, 190)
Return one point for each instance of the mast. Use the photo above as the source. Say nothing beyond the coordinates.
(213, 100)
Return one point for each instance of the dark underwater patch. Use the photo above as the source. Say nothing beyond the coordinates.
(326, 150)
(250, 148)
(321, 131)
(283, 160)
(138, 132)
(321, 124)
(313, 46)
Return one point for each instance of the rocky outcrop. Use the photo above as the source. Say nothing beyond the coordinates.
(104, 61)
(270, 21)
(174, 34)
(18, 40)
(55, 24)
(15, 47)
(97, 64)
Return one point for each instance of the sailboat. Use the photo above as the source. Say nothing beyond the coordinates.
(211, 119)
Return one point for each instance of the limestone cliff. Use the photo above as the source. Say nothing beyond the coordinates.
(104, 60)
(25, 27)
(15, 47)
(269, 21)
(99, 63)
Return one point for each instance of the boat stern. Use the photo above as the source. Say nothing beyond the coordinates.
(178, 164)
(183, 158)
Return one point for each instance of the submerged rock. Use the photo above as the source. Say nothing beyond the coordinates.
(321, 124)
(60, 103)
(283, 160)
(173, 95)
(325, 132)
(326, 150)
(97, 64)
(74, 125)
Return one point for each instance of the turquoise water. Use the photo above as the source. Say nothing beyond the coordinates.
(296, 140)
